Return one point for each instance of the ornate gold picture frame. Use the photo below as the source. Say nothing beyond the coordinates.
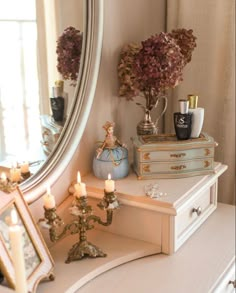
(38, 261)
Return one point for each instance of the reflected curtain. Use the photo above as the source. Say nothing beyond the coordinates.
(52, 18)
(210, 75)
(47, 26)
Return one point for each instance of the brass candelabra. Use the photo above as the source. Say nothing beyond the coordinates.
(7, 186)
(84, 221)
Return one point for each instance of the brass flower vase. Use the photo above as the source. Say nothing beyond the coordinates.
(147, 126)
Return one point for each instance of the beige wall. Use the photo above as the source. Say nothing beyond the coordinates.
(123, 23)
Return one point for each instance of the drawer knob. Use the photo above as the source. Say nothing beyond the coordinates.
(233, 283)
(198, 211)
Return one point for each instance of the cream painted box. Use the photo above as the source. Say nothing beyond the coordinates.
(51, 131)
(167, 221)
(163, 156)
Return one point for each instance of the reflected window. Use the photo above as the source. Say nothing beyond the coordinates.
(19, 89)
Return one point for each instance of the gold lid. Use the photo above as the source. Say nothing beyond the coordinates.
(193, 100)
(59, 83)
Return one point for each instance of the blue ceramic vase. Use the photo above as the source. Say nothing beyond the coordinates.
(113, 161)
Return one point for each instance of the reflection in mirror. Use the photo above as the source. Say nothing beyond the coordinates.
(81, 105)
(28, 72)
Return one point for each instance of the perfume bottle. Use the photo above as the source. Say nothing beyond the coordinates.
(58, 102)
(197, 117)
(60, 83)
(183, 121)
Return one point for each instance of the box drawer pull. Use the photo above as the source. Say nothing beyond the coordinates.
(206, 164)
(146, 156)
(233, 283)
(180, 167)
(44, 143)
(45, 133)
(198, 211)
(178, 155)
(146, 168)
(207, 152)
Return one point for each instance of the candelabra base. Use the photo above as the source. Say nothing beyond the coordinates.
(83, 249)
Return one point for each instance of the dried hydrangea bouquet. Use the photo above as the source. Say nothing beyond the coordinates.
(69, 47)
(148, 70)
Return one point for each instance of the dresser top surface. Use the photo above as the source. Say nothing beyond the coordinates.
(175, 191)
(196, 267)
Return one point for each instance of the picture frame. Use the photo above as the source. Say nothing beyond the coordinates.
(38, 261)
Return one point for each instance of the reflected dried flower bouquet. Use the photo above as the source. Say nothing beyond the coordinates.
(156, 65)
(69, 47)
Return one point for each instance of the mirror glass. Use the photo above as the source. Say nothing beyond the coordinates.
(29, 120)
(81, 104)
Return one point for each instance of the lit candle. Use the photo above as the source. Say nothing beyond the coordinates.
(78, 177)
(109, 184)
(15, 174)
(49, 200)
(3, 178)
(24, 167)
(80, 187)
(15, 235)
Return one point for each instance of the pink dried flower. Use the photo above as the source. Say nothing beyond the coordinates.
(155, 66)
(69, 46)
(186, 41)
(125, 71)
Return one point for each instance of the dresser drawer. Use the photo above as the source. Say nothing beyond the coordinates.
(176, 155)
(227, 281)
(155, 168)
(193, 212)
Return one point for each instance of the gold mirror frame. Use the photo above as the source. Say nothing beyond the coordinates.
(69, 140)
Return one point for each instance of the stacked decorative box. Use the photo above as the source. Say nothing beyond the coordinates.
(163, 156)
(51, 131)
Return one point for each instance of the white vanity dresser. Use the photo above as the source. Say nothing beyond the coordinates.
(190, 237)
(181, 242)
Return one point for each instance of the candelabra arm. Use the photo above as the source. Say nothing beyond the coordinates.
(98, 220)
(53, 222)
(74, 228)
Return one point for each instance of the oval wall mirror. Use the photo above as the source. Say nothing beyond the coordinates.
(79, 105)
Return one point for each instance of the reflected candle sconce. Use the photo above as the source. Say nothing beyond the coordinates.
(6, 185)
(17, 174)
(84, 219)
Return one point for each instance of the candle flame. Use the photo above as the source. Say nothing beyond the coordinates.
(3, 176)
(109, 176)
(14, 218)
(78, 177)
